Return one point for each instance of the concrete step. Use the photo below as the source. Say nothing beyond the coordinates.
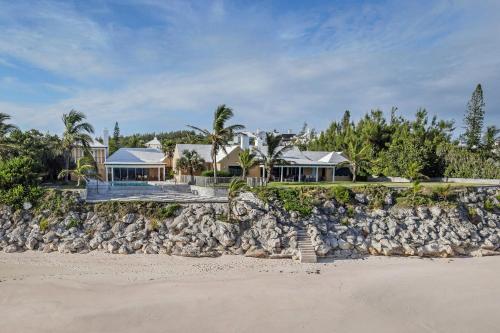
(304, 243)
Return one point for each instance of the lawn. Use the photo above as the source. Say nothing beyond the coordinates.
(357, 184)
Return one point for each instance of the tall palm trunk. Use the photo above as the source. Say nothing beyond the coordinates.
(68, 157)
(354, 172)
(214, 162)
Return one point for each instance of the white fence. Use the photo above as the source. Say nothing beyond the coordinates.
(438, 179)
(209, 181)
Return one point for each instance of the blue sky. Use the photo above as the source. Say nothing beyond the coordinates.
(156, 65)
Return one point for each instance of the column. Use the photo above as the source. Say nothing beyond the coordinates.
(159, 174)
(333, 174)
(300, 174)
(164, 175)
(112, 174)
(317, 174)
(281, 176)
(106, 175)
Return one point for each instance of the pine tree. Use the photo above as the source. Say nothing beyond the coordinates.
(474, 118)
(116, 135)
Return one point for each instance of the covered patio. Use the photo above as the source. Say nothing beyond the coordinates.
(116, 172)
(309, 166)
(306, 173)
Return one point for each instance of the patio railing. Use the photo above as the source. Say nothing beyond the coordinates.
(209, 181)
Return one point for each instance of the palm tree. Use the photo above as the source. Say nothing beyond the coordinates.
(80, 172)
(76, 134)
(235, 187)
(220, 134)
(169, 148)
(246, 160)
(273, 154)
(358, 156)
(5, 129)
(190, 161)
(413, 171)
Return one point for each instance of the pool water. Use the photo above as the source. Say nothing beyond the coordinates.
(126, 183)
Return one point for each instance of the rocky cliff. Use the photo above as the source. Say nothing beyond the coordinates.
(258, 228)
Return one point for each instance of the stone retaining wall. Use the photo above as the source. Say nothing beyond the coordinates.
(263, 229)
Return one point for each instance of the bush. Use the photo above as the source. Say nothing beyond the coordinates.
(376, 195)
(489, 205)
(73, 223)
(341, 194)
(44, 224)
(220, 173)
(19, 194)
(295, 200)
(154, 224)
(168, 211)
(18, 171)
(350, 212)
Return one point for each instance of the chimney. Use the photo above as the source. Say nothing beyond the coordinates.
(244, 141)
(105, 139)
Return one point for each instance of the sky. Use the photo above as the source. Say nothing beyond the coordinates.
(158, 65)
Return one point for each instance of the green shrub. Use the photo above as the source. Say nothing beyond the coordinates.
(154, 224)
(489, 205)
(341, 194)
(44, 224)
(350, 211)
(344, 221)
(19, 194)
(220, 173)
(443, 192)
(168, 211)
(18, 171)
(472, 212)
(73, 223)
(376, 194)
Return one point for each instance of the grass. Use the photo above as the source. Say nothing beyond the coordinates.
(358, 184)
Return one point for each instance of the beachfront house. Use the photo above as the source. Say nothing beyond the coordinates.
(306, 166)
(99, 152)
(136, 164)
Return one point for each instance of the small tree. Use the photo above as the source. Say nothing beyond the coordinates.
(5, 129)
(76, 134)
(220, 134)
(474, 118)
(235, 187)
(273, 153)
(246, 160)
(169, 148)
(116, 135)
(80, 172)
(190, 161)
(413, 172)
(358, 156)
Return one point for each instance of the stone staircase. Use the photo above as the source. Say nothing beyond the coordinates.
(307, 253)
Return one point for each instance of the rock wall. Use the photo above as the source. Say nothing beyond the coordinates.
(262, 229)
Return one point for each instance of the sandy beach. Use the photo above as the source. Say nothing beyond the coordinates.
(99, 292)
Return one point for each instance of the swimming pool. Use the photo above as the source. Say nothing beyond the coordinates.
(129, 183)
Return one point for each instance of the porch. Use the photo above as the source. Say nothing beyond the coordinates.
(307, 173)
(135, 173)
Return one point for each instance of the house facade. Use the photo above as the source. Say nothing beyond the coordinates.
(99, 152)
(136, 164)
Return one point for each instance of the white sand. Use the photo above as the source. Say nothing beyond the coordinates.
(157, 293)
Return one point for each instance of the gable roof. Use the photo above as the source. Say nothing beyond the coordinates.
(205, 151)
(313, 158)
(154, 142)
(136, 156)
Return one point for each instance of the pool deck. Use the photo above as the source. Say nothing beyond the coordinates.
(156, 196)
